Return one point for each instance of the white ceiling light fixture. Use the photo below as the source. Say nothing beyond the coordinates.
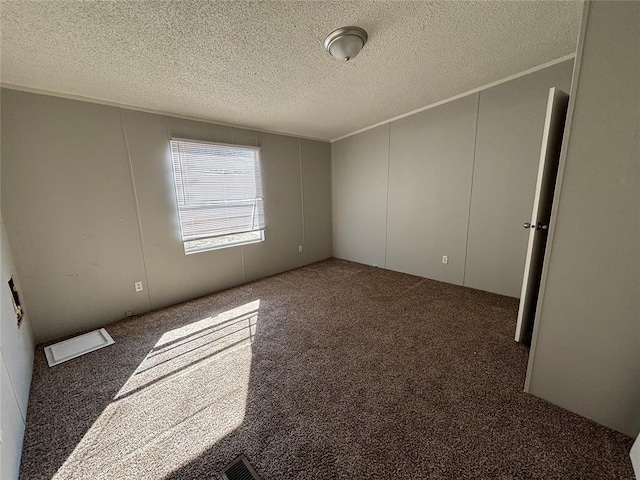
(346, 42)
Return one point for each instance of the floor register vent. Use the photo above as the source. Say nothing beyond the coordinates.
(239, 469)
(74, 347)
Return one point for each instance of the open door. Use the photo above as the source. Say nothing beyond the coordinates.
(543, 200)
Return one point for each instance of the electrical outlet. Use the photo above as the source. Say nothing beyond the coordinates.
(445, 259)
(128, 313)
(299, 248)
(138, 286)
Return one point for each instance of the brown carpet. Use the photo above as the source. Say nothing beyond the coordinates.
(332, 371)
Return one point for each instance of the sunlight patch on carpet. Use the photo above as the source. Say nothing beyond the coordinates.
(189, 392)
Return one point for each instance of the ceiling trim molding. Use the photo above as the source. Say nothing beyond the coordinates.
(71, 96)
(456, 97)
(108, 103)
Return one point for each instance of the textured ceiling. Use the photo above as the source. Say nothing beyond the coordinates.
(262, 64)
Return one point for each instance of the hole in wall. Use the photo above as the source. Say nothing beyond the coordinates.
(15, 298)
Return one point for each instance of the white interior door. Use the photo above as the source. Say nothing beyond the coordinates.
(539, 225)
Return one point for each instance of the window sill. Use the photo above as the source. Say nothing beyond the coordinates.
(218, 243)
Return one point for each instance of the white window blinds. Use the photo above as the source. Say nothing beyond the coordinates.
(218, 188)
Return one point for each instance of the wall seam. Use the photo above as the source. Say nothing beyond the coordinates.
(473, 171)
(244, 271)
(136, 205)
(244, 267)
(386, 213)
(304, 238)
(331, 196)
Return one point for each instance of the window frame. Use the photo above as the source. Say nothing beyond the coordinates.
(190, 250)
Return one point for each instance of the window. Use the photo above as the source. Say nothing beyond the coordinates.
(219, 193)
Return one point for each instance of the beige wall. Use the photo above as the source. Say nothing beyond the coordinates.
(316, 191)
(360, 175)
(87, 196)
(586, 351)
(454, 180)
(16, 359)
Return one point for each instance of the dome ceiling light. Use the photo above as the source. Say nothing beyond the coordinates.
(346, 42)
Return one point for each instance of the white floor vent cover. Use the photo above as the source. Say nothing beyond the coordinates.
(76, 346)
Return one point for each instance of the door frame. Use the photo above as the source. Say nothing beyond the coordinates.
(568, 126)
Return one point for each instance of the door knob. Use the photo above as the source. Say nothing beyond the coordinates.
(528, 225)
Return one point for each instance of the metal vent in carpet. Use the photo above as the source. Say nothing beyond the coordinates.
(239, 469)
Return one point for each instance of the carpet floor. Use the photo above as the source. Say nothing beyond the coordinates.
(332, 371)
